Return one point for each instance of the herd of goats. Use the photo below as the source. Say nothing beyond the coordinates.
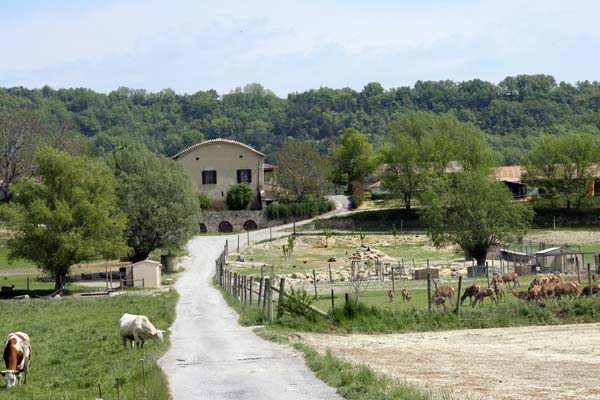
(542, 288)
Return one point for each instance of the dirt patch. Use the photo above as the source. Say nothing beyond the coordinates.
(502, 363)
(565, 237)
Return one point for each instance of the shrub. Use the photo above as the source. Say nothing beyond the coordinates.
(297, 302)
(203, 200)
(275, 211)
(239, 197)
(357, 194)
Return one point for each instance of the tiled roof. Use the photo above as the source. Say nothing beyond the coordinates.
(510, 174)
(213, 141)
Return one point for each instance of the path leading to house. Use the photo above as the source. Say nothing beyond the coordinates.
(212, 356)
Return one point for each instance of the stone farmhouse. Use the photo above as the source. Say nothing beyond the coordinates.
(215, 165)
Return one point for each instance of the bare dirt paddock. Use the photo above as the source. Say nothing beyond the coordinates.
(538, 362)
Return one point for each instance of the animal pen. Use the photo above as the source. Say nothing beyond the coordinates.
(558, 260)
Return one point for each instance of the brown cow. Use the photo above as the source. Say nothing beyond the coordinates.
(17, 353)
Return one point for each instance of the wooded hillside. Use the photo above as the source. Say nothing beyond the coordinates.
(512, 113)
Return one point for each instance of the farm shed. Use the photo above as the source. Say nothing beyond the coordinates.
(558, 260)
(421, 273)
(144, 273)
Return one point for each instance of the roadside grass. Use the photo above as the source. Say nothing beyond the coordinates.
(76, 346)
(356, 383)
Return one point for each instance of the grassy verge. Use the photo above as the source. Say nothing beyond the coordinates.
(76, 346)
(358, 383)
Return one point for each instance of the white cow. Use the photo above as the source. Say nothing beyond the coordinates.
(137, 329)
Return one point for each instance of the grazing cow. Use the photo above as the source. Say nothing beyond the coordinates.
(511, 277)
(391, 295)
(444, 291)
(137, 329)
(17, 353)
(405, 295)
(470, 292)
(481, 294)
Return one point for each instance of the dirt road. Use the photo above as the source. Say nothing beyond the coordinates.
(541, 362)
(212, 357)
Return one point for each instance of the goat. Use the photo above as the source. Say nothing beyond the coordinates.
(470, 291)
(405, 295)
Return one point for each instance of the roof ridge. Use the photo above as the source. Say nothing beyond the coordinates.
(176, 156)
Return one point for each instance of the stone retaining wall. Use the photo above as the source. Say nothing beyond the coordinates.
(233, 221)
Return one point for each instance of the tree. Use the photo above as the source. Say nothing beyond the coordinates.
(301, 170)
(472, 211)
(67, 215)
(157, 197)
(352, 157)
(20, 135)
(239, 196)
(562, 166)
(421, 146)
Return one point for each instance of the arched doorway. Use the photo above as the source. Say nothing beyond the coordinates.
(250, 225)
(225, 226)
(203, 228)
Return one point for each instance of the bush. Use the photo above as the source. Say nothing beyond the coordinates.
(357, 194)
(302, 210)
(239, 197)
(297, 302)
(203, 200)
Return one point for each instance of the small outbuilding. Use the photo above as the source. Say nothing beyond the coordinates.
(146, 273)
(558, 260)
(421, 273)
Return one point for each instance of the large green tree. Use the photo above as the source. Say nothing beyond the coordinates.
(66, 215)
(301, 170)
(472, 211)
(352, 157)
(423, 146)
(562, 166)
(157, 197)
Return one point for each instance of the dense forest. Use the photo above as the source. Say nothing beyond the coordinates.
(512, 113)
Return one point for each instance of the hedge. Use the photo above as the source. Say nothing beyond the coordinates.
(299, 210)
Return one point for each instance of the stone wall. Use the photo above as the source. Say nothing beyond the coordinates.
(233, 221)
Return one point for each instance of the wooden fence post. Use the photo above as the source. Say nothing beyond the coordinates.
(244, 292)
(247, 238)
(393, 283)
(346, 298)
(226, 250)
(260, 290)
(590, 291)
(578, 274)
(280, 299)
(487, 273)
(238, 249)
(251, 288)
(269, 299)
(332, 301)
(235, 284)
(266, 296)
(270, 234)
(294, 227)
(330, 277)
(429, 292)
(315, 282)
(457, 310)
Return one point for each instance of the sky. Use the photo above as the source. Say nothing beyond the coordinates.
(292, 46)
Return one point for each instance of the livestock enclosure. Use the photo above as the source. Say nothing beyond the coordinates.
(322, 266)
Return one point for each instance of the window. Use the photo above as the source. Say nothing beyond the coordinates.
(209, 177)
(244, 176)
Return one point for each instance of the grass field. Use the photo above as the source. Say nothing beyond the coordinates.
(76, 346)
(4, 265)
